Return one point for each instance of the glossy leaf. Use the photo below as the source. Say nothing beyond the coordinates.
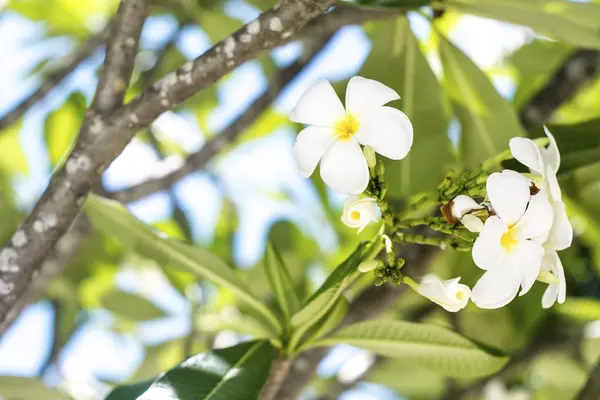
(22, 388)
(487, 120)
(281, 281)
(234, 373)
(112, 218)
(397, 61)
(131, 306)
(431, 346)
(572, 22)
(129, 392)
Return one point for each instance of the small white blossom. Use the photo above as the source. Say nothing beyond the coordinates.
(359, 212)
(334, 134)
(463, 208)
(555, 292)
(449, 294)
(510, 246)
(544, 164)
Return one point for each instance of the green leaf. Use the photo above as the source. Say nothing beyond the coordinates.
(487, 120)
(263, 126)
(330, 321)
(131, 306)
(61, 127)
(114, 219)
(583, 309)
(22, 388)
(397, 61)
(409, 380)
(234, 373)
(326, 296)
(568, 21)
(431, 346)
(281, 281)
(129, 392)
(13, 157)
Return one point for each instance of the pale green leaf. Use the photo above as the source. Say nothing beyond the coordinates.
(234, 373)
(410, 380)
(61, 127)
(22, 388)
(281, 281)
(487, 120)
(13, 157)
(397, 61)
(330, 321)
(112, 218)
(131, 306)
(583, 309)
(238, 323)
(431, 346)
(576, 23)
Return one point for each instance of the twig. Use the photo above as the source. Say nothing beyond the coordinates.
(576, 72)
(198, 160)
(61, 202)
(66, 66)
(279, 370)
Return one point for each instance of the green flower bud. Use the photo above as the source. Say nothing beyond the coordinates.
(370, 156)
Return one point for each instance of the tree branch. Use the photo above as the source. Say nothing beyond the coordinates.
(574, 74)
(67, 65)
(64, 197)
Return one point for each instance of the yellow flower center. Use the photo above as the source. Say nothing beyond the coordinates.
(460, 295)
(509, 239)
(355, 215)
(347, 127)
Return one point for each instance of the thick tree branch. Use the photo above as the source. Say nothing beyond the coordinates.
(67, 65)
(574, 74)
(64, 197)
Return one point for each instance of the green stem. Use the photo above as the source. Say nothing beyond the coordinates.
(443, 242)
(421, 205)
(435, 223)
(413, 285)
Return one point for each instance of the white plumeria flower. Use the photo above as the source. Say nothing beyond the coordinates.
(359, 212)
(510, 247)
(334, 134)
(461, 209)
(545, 162)
(555, 291)
(449, 294)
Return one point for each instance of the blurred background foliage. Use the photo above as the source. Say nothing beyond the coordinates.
(464, 109)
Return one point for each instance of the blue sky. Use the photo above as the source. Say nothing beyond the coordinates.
(254, 172)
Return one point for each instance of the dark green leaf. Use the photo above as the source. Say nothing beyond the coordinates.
(234, 373)
(129, 392)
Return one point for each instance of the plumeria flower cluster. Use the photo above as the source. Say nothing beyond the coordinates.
(526, 225)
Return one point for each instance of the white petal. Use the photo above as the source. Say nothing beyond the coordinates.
(366, 95)
(366, 209)
(550, 296)
(310, 146)
(561, 234)
(472, 223)
(344, 168)
(508, 192)
(319, 105)
(555, 192)
(463, 204)
(487, 250)
(527, 153)
(445, 293)
(528, 256)
(551, 154)
(497, 287)
(388, 131)
(538, 218)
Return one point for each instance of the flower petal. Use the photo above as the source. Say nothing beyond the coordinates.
(551, 154)
(344, 168)
(527, 153)
(463, 204)
(561, 234)
(487, 250)
(550, 296)
(497, 287)
(449, 294)
(538, 218)
(558, 291)
(388, 131)
(365, 95)
(472, 223)
(527, 255)
(310, 145)
(553, 186)
(319, 105)
(508, 192)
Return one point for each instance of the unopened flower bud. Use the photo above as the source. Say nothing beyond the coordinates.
(370, 156)
(369, 265)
